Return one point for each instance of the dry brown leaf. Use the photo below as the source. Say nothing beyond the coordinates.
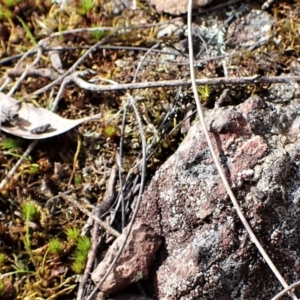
(34, 123)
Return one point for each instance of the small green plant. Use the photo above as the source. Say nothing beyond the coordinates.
(97, 35)
(30, 211)
(1, 287)
(110, 130)
(28, 32)
(85, 6)
(11, 3)
(78, 265)
(11, 144)
(18, 266)
(55, 246)
(33, 168)
(84, 244)
(5, 13)
(204, 92)
(2, 259)
(77, 180)
(73, 234)
(83, 247)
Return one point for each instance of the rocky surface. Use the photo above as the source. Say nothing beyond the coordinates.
(174, 7)
(206, 252)
(134, 263)
(127, 296)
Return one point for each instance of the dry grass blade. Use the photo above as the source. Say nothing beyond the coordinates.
(216, 161)
(32, 122)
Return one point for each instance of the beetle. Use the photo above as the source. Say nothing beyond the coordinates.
(40, 129)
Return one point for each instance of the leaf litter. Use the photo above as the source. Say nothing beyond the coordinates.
(30, 122)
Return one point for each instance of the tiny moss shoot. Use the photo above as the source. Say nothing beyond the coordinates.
(204, 92)
(83, 247)
(2, 259)
(55, 246)
(30, 211)
(85, 6)
(73, 234)
(11, 144)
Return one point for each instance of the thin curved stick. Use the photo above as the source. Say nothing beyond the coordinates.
(26, 54)
(119, 162)
(71, 69)
(5, 83)
(142, 60)
(216, 161)
(282, 293)
(10, 58)
(24, 74)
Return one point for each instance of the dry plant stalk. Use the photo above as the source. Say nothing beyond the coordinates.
(182, 82)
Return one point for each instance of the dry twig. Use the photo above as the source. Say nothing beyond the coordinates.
(256, 79)
(282, 293)
(105, 226)
(48, 73)
(110, 192)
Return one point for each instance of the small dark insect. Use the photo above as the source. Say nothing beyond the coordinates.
(40, 129)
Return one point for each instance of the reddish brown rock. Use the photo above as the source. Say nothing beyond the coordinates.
(174, 7)
(207, 254)
(126, 296)
(135, 260)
